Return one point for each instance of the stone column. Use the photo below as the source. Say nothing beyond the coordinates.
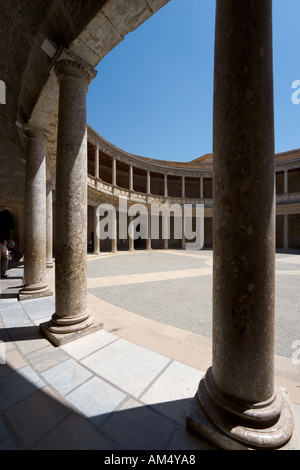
(96, 163)
(148, 183)
(286, 182)
(183, 187)
(114, 172)
(96, 233)
(114, 239)
(237, 400)
(201, 188)
(148, 244)
(183, 241)
(131, 234)
(72, 316)
(164, 221)
(130, 178)
(166, 185)
(286, 231)
(35, 284)
(49, 229)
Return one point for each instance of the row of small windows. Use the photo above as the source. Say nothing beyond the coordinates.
(287, 181)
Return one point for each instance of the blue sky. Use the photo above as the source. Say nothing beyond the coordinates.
(153, 95)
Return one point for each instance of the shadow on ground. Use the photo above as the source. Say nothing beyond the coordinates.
(34, 416)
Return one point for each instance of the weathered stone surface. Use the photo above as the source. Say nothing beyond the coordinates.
(35, 284)
(238, 392)
(49, 229)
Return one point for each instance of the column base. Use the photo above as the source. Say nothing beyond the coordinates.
(251, 429)
(199, 424)
(34, 292)
(49, 264)
(62, 335)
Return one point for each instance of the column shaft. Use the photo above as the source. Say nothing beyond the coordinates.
(114, 239)
(286, 231)
(286, 182)
(183, 187)
(96, 233)
(131, 234)
(130, 178)
(71, 316)
(148, 244)
(49, 229)
(238, 393)
(166, 185)
(201, 188)
(148, 183)
(35, 284)
(114, 172)
(96, 162)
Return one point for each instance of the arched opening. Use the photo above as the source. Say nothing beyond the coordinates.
(7, 226)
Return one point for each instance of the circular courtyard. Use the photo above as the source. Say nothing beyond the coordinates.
(175, 288)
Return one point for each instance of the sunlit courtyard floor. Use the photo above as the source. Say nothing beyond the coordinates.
(129, 385)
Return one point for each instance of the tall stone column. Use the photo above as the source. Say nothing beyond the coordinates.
(183, 186)
(148, 242)
(130, 178)
(96, 158)
(71, 316)
(114, 238)
(96, 233)
(166, 185)
(49, 229)
(35, 284)
(131, 234)
(148, 182)
(183, 241)
(237, 400)
(286, 182)
(201, 188)
(286, 231)
(114, 172)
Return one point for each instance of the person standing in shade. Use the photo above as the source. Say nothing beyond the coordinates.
(4, 258)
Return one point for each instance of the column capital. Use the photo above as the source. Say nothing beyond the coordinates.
(70, 66)
(34, 132)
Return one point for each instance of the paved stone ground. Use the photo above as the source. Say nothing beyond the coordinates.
(129, 385)
(175, 287)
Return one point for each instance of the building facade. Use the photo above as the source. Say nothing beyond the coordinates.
(49, 54)
(113, 174)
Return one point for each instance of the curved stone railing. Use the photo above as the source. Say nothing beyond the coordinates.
(172, 178)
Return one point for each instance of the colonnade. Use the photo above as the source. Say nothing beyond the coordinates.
(148, 186)
(237, 404)
(165, 228)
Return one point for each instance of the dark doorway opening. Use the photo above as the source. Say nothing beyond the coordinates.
(7, 226)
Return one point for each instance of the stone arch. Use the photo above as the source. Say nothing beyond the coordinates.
(9, 224)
